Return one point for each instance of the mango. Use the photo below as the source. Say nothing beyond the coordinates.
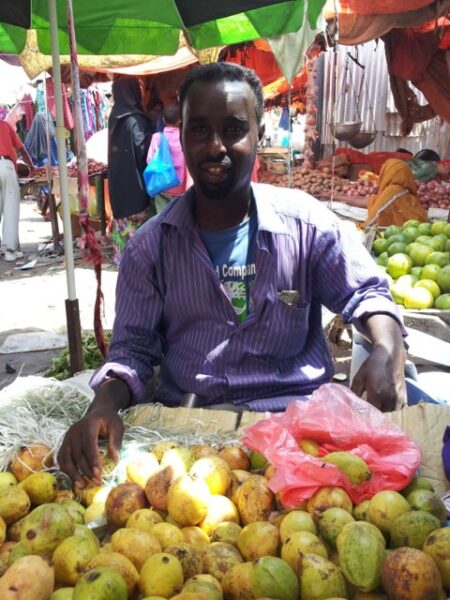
(7, 479)
(137, 545)
(215, 472)
(219, 558)
(122, 501)
(45, 528)
(40, 487)
(74, 508)
(101, 584)
(179, 459)
(226, 532)
(235, 457)
(187, 500)
(426, 500)
(65, 593)
(167, 534)
(308, 446)
(201, 586)
(220, 509)
(140, 467)
(29, 578)
(86, 532)
(5, 550)
(157, 487)
(258, 539)
(385, 507)
(320, 579)
(437, 545)
(14, 504)
(410, 574)
(191, 560)
(30, 459)
(202, 450)
(331, 522)
(356, 469)
(272, 577)
(161, 574)
(417, 483)
(412, 528)
(236, 582)
(197, 537)
(119, 564)
(301, 542)
(71, 558)
(361, 549)
(144, 518)
(296, 520)
(360, 510)
(327, 497)
(255, 500)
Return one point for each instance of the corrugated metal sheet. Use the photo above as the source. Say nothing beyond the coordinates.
(375, 98)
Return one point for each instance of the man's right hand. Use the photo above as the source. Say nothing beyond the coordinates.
(79, 453)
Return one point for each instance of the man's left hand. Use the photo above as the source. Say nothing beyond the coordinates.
(382, 378)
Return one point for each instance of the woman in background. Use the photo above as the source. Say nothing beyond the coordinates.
(129, 131)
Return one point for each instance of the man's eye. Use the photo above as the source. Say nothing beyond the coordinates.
(234, 130)
(198, 130)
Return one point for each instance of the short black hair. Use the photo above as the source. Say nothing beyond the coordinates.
(171, 114)
(427, 154)
(404, 151)
(223, 71)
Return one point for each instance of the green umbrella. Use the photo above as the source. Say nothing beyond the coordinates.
(152, 26)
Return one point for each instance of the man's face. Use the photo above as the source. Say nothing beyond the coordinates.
(219, 137)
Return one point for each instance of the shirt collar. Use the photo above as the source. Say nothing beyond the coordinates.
(181, 213)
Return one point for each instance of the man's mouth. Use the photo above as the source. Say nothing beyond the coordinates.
(215, 172)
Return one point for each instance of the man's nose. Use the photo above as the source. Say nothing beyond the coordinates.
(216, 145)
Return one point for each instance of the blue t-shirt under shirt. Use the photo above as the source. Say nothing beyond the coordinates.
(233, 254)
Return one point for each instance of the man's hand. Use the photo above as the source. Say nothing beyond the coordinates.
(382, 375)
(79, 453)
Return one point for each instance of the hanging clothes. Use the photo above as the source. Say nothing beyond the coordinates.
(68, 118)
(36, 141)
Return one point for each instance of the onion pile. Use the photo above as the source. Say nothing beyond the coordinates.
(315, 182)
(94, 167)
(434, 194)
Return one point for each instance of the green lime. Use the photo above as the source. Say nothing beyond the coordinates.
(392, 230)
(416, 271)
(424, 228)
(411, 223)
(379, 246)
(410, 234)
(396, 248)
(423, 239)
(438, 242)
(418, 297)
(443, 279)
(438, 258)
(438, 227)
(447, 230)
(397, 237)
(429, 272)
(429, 285)
(447, 246)
(398, 264)
(419, 254)
(382, 259)
(442, 302)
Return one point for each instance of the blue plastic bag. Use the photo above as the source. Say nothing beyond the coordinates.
(160, 174)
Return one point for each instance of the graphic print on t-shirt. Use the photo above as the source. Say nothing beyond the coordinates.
(233, 254)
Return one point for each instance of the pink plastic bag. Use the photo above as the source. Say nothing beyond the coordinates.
(337, 420)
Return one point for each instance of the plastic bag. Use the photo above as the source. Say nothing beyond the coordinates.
(337, 420)
(160, 174)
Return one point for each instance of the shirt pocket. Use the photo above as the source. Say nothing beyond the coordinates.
(286, 329)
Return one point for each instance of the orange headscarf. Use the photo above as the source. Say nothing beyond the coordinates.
(396, 201)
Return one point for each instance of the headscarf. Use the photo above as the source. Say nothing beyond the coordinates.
(127, 99)
(396, 201)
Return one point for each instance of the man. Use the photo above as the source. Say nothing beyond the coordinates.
(9, 189)
(224, 288)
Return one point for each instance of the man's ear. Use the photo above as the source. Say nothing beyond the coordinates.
(180, 133)
(261, 131)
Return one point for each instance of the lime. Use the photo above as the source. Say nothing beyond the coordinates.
(429, 272)
(397, 237)
(424, 228)
(438, 258)
(442, 302)
(438, 242)
(418, 297)
(411, 223)
(423, 239)
(443, 279)
(396, 248)
(447, 246)
(398, 264)
(396, 293)
(406, 281)
(410, 234)
(447, 230)
(419, 254)
(392, 230)
(382, 259)
(438, 227)
(379, 246)
(416, 271)
(429, 285)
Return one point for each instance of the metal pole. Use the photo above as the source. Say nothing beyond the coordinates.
(72, 310)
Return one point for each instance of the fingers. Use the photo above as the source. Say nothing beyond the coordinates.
(358, 386)
(79, 453)
(66, 460)
(115, 436)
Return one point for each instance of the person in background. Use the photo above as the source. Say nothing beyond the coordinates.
(224, 289)
(129, 131)
(10, 145)
(155, 114)
(396, 201)
(171, 130)
(426, 165)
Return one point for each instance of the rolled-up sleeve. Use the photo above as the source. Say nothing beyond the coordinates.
(346, 279)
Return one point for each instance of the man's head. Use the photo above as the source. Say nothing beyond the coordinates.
(428, 155)
(171, 115)
(221, 107)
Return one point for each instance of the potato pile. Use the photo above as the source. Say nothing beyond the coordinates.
(315, 182)
(201, 523)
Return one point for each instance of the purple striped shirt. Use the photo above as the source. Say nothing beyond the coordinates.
(171, 308)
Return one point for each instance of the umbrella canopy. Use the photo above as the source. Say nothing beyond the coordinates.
(152, 27)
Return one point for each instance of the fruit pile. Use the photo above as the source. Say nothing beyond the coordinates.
(434, 194)
(198, 523)
(94, 168)
(416, 259)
